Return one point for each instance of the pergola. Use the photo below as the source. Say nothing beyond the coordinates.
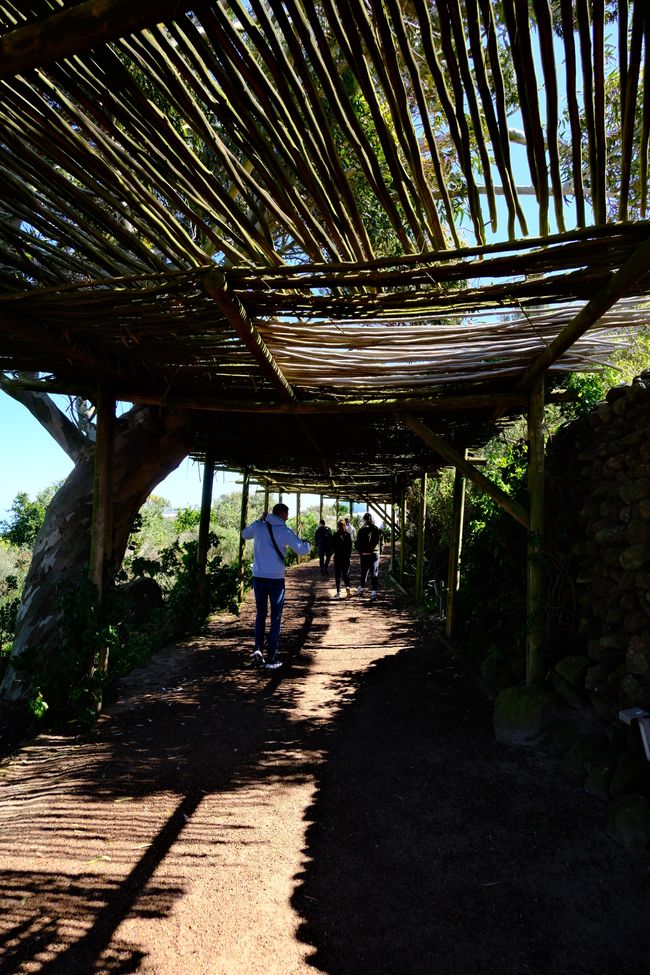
(283, 217)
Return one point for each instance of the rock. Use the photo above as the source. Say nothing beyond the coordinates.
(595, 676)
(628, 822)
(522, 714)
(634, 490)
(635, 692)
(598, 780)
(634, 557)
(496, 673)
(140, 597)
(637, 658)
(573, 669)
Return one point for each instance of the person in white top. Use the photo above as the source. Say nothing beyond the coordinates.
(350, 529)
(271, 537)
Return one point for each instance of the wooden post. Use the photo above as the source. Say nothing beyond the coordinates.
(102, 527)
(419, 565)
(204, 521)
(102, 524)
(267, 495)
(336, 510)
(402, 533)
(535, 666)
(242, 524)
(455, 547)
(298, 521)
(320, 509)
(392, 531)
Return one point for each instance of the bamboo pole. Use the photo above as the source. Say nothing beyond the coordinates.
(204, 522)
(456, 459)
(267, 494)
(616, 288)
(320, 508)
(535, 667)
(419, 563)
(298, 519)
(455, 547)
(242, 524)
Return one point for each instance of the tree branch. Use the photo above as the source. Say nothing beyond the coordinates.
(48, 414)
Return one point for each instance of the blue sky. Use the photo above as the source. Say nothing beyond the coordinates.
(32, 461)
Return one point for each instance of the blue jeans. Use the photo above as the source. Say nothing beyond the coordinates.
(370, 569)
(268, 591)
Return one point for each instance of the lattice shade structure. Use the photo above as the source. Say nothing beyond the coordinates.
(311, 217)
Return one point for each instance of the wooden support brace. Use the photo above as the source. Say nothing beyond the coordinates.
(617, 287)
(217, 287)
(422, 519)
(455, 547)
(456, 459)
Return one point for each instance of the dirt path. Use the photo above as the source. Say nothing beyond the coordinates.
(351, 814)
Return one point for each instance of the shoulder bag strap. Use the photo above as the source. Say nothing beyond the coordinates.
(275, 544)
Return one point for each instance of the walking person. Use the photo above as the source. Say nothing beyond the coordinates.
(342, 548)
(350, 529)
(323, 540)
(368, 545)
(271, 537)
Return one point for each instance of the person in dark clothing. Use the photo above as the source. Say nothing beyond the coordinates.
(368, 545)
(342, 548)
(323, 540)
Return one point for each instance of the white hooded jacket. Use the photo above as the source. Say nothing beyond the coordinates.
(267, 564)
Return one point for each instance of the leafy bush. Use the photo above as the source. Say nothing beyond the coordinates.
(27, 516)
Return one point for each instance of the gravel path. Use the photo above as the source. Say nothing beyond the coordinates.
(350, 813)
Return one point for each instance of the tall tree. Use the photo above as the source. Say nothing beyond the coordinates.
(159, 440)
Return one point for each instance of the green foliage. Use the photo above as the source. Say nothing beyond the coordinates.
(187, 519)
(27, 516)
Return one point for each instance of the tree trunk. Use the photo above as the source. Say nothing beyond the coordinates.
(149, 443)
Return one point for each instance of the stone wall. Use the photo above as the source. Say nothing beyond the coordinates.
(599, 513)
(608, 477)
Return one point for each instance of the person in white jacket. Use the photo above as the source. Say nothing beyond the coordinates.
(271, 538)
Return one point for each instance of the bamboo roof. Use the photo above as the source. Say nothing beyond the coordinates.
(311, 216)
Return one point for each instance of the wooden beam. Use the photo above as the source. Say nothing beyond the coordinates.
(535, 664)
(457, 460)
(217, 287)
(99, 365)
(616, 288)
(79, 28)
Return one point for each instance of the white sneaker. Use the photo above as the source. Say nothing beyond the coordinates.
(257, 659)
(373, 597)
(359, 591)
(273, 665)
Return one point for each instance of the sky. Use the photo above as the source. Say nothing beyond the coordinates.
(32, 461)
